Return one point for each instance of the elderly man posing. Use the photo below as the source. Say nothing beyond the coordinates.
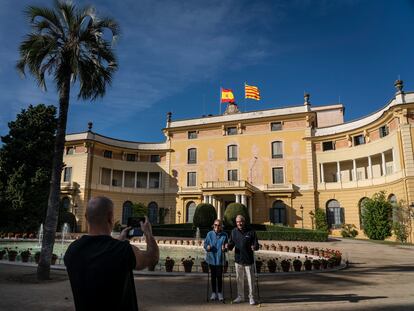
(244, 240)
(100, 267)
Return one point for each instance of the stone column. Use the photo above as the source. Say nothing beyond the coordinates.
(394, 165)
(243, 199)
(213, 201)
(219, 210)
(370, 168)
(322, 174)
(205, 198)
(338, 171)
(237, 198)
(384, 170)
(250, 208)
(354, 175)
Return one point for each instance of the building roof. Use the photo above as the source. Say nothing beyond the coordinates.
(116, 142)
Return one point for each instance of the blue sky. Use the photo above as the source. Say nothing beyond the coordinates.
(175, 55)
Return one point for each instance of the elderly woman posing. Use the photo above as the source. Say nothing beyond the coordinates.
(215, 244)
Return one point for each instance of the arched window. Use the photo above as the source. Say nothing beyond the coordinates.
(191, 206)
(65, 204)
(335, 214)
(277, 150)
(232, 153)
(361, 206)
(153, 212)
(278, 213)
(126, 211)
(394, 203)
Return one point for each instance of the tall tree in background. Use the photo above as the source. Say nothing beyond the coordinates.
(68, 44)
(25, 168)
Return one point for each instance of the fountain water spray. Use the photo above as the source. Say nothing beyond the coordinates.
(65, 230)
(40, 235)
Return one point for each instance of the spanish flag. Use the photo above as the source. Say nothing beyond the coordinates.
(227, 96)
(251, 92)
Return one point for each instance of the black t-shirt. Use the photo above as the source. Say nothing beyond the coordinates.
(243, 241)
(100, 272)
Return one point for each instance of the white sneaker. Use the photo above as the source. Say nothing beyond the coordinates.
(220, 296)
(213, 296)
(251, 301)
(238, 300)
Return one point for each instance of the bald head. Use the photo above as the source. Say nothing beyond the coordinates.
(99, 211)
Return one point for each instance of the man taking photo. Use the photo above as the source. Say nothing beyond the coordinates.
(100, 267)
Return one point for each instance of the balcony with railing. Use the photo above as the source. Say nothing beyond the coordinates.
(228, 184)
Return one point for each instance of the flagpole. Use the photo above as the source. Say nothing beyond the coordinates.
(244, 99)
(220, 101)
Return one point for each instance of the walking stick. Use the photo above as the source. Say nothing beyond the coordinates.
(208, 282)
(257, 282)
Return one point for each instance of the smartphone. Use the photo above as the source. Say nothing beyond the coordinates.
(134, 223)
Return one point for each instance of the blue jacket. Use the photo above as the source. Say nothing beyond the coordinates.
(216, 241)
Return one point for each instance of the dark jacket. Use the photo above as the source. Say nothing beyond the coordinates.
(243, 242)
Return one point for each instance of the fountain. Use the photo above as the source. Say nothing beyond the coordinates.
(197, 234)
(65, 230)
(40, 235)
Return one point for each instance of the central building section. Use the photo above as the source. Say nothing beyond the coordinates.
(259, 159)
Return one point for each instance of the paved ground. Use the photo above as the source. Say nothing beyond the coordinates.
(381, 277)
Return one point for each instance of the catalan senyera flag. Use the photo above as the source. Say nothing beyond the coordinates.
(227, 96)
(251, 92)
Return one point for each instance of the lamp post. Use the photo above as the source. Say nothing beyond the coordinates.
(312, 216)
(179, 216)
(301, 210)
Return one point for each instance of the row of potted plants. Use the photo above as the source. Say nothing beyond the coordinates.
(300, 249)
(11, 235)
(24, 255)
(272, 264)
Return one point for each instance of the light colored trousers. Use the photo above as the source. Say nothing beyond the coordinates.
(240, 271)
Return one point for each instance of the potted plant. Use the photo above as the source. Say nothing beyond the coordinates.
(2, 252)
(308, 264)
(316, 252)
(324, 263)
(272, 265)
(286, 248)
(11, 253)
(25, 255)
(305, 250)
(279, 247)
(293, 249)
(187, 263)
(273, 247)
(37, 257)
(266, 246)
(259, 264)
(312, 251)
(331, 262)
(204, 266)
(297, 264)
(285, 263)
(53, 259)
(169, 264)
(316, 263)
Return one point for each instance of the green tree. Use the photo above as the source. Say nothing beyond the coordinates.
(377, 217)
(401, 221)
(232, 210)
(204, 215)
(139, 210)
(320, 220)
(25, 168)
(70, 44)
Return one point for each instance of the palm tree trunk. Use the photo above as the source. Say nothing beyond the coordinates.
(50, 224)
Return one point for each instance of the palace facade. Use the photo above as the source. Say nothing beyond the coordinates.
(281, 163)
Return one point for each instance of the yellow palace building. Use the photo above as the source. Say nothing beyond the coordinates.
(281, 163)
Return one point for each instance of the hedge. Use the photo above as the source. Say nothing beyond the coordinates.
(264, 232)
(293, 235)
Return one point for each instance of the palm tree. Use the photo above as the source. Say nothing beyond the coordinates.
(68, 44)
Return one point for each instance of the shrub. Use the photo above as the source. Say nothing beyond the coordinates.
(401, 231)
(320, 220)
(204, 215)
(293, 235)
(377, 217)
(139, 210)
(349, 231)
(232, 210)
